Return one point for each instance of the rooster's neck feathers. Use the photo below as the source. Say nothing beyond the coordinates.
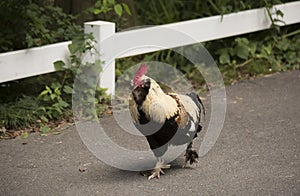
(156, 105)
(159, 106)
(190, 105)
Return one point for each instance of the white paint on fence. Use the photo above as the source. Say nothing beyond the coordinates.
(39, 60)
(31, 62)
(102, 30)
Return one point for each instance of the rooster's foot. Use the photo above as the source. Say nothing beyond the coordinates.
(191, 156)
(158, 170)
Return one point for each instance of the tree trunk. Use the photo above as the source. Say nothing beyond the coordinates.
(76, 7)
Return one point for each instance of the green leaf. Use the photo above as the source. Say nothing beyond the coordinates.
(98, 64)
(63, 103)
(52, 96)
(224, 58)
(24, 135)
(44, 119)
(57, 91)
(44, 92)
(118, 9)
(55, 86)
(97, 11)
(242, 51)
(98, 3)
(126, 8)
(252, 47)
(48, 89)
(75, 46)
(112, 2)
(46, 98)
(71, 48)
(68, 89)
(268, 49)
(44, 129)
(59, 65)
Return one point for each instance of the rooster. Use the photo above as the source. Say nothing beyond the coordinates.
(164, 118)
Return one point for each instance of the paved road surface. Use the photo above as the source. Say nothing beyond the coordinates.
(257, 153)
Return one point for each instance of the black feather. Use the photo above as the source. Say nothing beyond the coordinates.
(140, 92)
(197, 101)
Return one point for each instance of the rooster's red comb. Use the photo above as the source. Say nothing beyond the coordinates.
(140, 72)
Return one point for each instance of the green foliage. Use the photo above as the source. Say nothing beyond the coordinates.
(106, 6)
(22, 113)
(238, 57)
(109, 10)
(45, 24)
(27, 23)
(53, 103)
(155, 12)
(41, 24)
(85, 76)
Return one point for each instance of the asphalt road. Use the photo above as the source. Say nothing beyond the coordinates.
(257, 153)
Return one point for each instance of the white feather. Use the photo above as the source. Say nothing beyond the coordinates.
(159, 106)
(191, 130)
(190, 106)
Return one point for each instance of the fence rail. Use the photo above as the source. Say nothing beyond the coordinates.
(35, 61)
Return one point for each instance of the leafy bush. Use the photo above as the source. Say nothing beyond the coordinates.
(156, 12)
(84, 76)
(42, 98)
(28, 23)
(22, 113)
(54, 102)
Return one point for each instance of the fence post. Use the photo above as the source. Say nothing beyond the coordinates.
(102, 30)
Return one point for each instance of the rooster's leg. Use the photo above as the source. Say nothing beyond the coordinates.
(155, 173)
(190, 155)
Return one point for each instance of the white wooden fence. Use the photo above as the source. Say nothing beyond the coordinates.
(35, 61)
